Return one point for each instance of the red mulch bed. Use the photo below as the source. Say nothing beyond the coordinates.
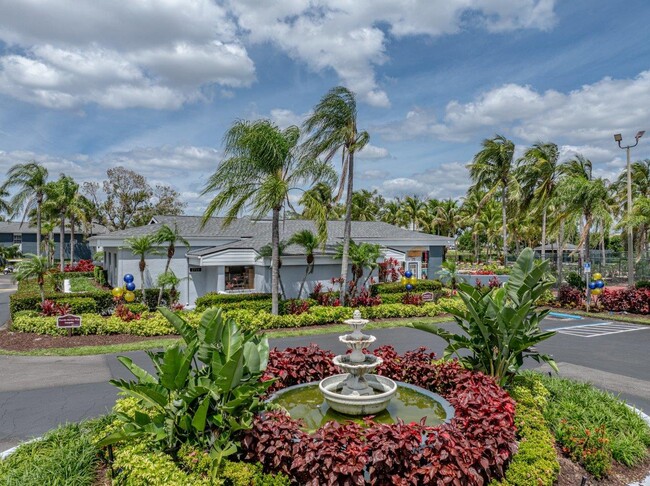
(27, 341)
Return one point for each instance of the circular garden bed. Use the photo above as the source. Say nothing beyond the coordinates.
(473, 448)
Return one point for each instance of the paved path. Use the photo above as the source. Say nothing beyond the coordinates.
(37, 393)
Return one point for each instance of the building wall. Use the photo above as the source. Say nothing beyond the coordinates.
(435, 260)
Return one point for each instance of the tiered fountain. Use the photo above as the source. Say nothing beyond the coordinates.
(357, 392)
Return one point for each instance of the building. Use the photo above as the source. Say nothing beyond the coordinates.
(227, 259)
(24, 236)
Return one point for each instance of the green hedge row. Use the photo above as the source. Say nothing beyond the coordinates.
(212, 299)
(397, 287)
(154, 324)
(535, 463)
(59, 277)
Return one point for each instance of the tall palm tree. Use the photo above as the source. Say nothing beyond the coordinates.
(261, 167)
(5, 205)
(169, 236)
(366, 205)
(640, 174)
(448, 217)
(491, 169)
(415, 210)
(142, 246)
(60, 195)
(319, 205)
(266, 251)
(29, 179)
(333, 128)
(540, 172)
(392, 213)
(309, 242)
(33, 267)
(584, 195)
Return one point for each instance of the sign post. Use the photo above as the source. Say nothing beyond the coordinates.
(587, 271)
(68, 322)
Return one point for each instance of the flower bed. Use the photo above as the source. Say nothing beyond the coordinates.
(473, 448)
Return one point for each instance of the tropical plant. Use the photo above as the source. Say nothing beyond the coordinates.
(60, 195)
(309, 242)
(414, 209)
(501, 327)
(261, 168)
(333, 128)
(540, 172)
(392, 213)
(319, 205)
(448, 274)
(30, 180)
(34, 266)
(363, 255)
(169, 236)
(206, 406)
(491, 169)
(5, 205)
(169, 279)
(266, 251)
(447, 217)
(141, 246)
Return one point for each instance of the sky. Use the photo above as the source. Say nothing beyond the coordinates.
(153, 85)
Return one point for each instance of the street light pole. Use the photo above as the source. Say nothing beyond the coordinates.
(630, 235)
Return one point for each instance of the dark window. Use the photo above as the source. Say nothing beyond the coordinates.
(240, 278)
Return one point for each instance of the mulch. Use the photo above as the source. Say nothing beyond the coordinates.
(572, 474)
(26, 341)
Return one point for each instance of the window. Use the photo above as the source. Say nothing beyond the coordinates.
(18, 238)
(239, 278)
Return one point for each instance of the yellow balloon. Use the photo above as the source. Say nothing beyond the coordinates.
(596, 291)
(413, 280)
(404, 280)
(597, 276)
(129, 296)
(117, 292)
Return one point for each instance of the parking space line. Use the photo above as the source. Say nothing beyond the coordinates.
(599, 329)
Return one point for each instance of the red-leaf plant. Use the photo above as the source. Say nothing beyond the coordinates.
(51, 308)
(473, 448)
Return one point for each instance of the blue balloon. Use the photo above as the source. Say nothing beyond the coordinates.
(128, 278)
(592, 285)
(130, 286)
(600, 284)
(409, 287)
(408, 274)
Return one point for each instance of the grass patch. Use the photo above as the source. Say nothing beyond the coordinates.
(82, 284)
(89, 350)
(65, 456)
(579, 415)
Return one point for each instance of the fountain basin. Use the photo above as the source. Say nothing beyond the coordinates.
(410, 404)
(347, 363)
(344, 399)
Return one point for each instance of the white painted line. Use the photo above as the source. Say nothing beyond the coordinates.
(581, 325)
(615, 332)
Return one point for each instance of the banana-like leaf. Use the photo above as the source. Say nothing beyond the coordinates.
(209, 334)
(186, 331)
(231, 338)
(174, 368)
(228, 376)
(199, 419)
(142, 375)
(153, 395)
(252, 359)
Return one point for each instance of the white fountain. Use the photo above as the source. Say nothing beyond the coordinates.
(357, 391)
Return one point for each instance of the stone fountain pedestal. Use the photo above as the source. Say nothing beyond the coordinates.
(357, 391)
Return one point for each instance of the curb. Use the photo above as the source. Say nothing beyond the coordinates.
(646, 419)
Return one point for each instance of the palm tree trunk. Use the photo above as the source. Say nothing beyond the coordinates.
(39, 201)
(304, 279)
(275, 259)
(560, 253)
(587, 230)
(71, 240)
(160, 292)
(347, 231)
(144, 298)
(476, 254)
(544, 233)
(602, 249)
(505, 229)
(62, 242)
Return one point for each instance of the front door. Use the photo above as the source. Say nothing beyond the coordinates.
(414, 267)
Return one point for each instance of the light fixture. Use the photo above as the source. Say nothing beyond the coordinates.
(618, 137)
(639, 134)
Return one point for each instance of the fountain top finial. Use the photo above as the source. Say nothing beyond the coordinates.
(356, 315)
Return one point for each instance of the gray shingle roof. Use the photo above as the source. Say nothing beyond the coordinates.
(17, 227)
(255, 234)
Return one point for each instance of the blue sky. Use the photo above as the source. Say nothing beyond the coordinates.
(153, 85)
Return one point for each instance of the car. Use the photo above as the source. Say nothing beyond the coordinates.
(8, 270)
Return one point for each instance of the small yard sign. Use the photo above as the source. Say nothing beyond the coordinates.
(587, 267)
(427, 296)
(68, 321)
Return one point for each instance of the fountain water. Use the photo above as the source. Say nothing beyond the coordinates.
(357, 391)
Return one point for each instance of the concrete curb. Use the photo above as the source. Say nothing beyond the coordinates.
(8, 452)
(646, 419)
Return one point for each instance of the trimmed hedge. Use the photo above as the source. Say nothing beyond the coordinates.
(59, 277)
(397, 287)
(535, 463)
(29, 301)
(213, 299)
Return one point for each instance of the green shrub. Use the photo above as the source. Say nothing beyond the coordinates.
(214, 299)
(642, 284)
(535, 463)
(79, 305)
(32, 301)
(574, 279)
(397, 287)
(58, 277)
(136, 307)
(152, 297)
(66, 455)
(99, 275)
(576, 407)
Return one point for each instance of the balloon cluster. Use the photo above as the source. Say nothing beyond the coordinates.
(126, 290)
(408, 280)
(596, 285)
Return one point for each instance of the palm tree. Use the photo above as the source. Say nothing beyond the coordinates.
(491, 169)
(309, 242)
(366, 205)
(640, 174)
(333, 127)
(319, 205)
(363, 255)
(142, 246)
(60, 196)
(29, 179)
(415, 210)
(34, 266)
(168, 279)
(266, 251)
(584, 195)
(540, 173)
(169, 236)
(447, 217)
(5, 205)
(392, 213)
(261, 168)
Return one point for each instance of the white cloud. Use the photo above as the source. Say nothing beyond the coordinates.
(371, 174)
(155, 54)
(449, 180)
(372, 152)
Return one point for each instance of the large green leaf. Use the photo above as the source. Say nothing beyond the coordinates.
(186, 331)
(199, 419)
(138, 372)
(153, 395)
(174, 368)
(209, 334)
